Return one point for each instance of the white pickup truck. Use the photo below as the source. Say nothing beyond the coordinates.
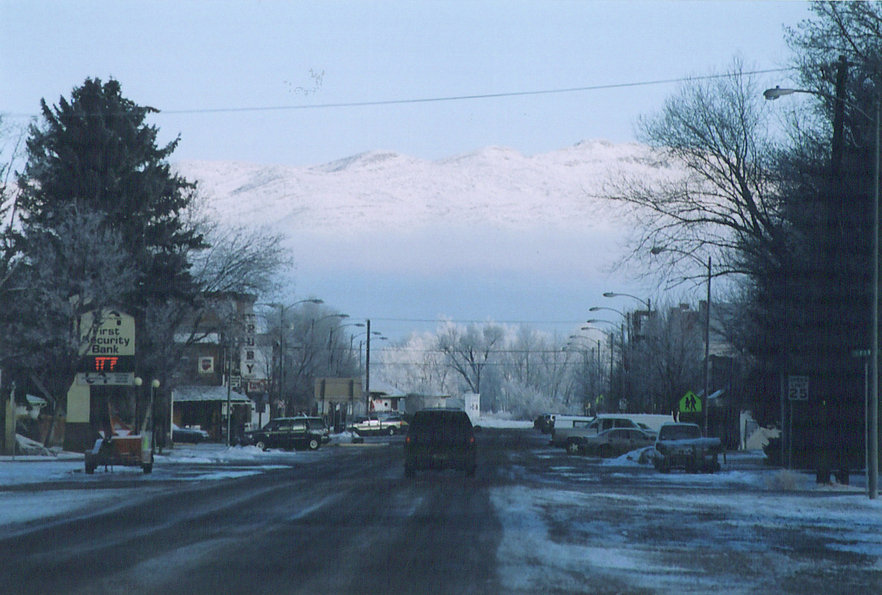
(568, 430)
(383, 424)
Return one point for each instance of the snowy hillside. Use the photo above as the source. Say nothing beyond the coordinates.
(494, 187)
(490, 234)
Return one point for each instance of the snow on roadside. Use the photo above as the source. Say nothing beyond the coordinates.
(583, 539)
(57, 475)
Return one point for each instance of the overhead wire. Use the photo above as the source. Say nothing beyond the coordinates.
(468, 97)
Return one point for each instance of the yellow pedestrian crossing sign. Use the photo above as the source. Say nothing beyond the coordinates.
(690, 403)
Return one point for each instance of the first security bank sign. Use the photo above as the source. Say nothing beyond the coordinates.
(107, 342)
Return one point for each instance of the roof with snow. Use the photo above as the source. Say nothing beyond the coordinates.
(184, 394)
(385, 389)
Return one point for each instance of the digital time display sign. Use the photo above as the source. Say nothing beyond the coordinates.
(109, 363)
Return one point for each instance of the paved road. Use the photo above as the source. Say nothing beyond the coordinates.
(345, 520)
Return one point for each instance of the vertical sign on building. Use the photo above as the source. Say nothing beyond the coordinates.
(251, 360)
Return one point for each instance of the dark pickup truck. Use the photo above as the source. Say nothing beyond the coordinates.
(680, 445)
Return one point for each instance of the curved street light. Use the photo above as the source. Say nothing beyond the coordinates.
(614, 294)
(611, 334)
(655, 251)
(282, 308)
(873, 405)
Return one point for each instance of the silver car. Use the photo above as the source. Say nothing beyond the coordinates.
(611, 443)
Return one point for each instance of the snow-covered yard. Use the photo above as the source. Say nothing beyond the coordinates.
(742, 530)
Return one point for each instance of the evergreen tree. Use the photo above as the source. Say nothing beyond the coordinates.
(103, 223)
(95, 153)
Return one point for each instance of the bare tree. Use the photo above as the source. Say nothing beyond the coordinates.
(417, 365)
(468, 350)
(725, 201)
(239, 260)
(10, 147)
(666, 360)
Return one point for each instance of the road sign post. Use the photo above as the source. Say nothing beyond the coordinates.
(797, 390)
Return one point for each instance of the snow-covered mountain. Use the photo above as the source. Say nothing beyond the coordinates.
(490, 234)
(495, 187)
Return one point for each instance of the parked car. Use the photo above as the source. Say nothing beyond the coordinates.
(317, 424)
(193, 434)
(647, 429)
(440, 439)
(681, 445)
(285, 432)
(611, 443)
(569, 427)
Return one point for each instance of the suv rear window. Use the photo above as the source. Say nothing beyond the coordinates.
(441, 426)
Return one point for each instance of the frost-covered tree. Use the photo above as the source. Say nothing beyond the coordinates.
(516, 370)
(417, 366)
(60, 278)
(469, 350)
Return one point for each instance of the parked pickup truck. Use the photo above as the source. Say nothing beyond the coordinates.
(680, 445)
(568, 431)
(390, 424)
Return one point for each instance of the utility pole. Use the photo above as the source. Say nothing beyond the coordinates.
(873, 454)
(707, 348)
(281, 354)
(367, 371)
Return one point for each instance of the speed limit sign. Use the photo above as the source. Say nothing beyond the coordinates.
(798, 388)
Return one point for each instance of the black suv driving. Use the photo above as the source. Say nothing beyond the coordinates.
(439, 439)
(287, 433)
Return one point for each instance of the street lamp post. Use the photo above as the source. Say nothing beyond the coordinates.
(630, 324)
(614, 294)
(282, 308)
(873, 414)
(706, 371)
(612, 352)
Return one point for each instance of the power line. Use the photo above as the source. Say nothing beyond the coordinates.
(476, 96)
(467, 97)
(476, 321)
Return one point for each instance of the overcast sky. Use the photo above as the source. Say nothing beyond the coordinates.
(305, 83)
(190, 58)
